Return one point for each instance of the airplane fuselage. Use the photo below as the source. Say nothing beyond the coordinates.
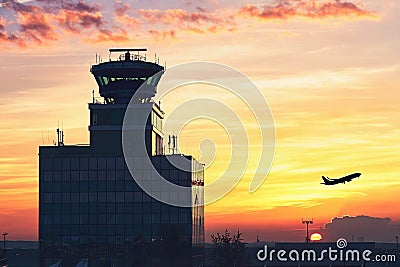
(344, 179)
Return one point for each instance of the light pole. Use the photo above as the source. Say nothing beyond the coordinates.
(4, 240)
(397, 246)
(307, 222)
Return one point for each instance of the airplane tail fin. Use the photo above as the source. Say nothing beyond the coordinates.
(325, 179)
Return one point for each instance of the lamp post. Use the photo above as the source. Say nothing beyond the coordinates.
(307, 222)
(4, 240)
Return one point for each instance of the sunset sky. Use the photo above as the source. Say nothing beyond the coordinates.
(329, 69)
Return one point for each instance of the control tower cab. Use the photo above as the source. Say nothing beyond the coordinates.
(118, 80)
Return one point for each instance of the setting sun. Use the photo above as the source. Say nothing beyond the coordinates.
(316, 237)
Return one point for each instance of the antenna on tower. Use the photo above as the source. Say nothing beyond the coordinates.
(60, 135)
(173, 144)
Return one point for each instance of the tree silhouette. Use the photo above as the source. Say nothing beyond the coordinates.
(228, 251)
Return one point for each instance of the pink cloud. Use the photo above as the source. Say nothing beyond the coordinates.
(287, 9)
(162, 34)
(106, 36)
(43, 22)
(120, 9)
(34, 24)
(74, 21)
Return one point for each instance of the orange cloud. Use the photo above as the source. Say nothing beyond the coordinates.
(120, 9)
(45, 21)
(106, 36)
(34, 25)
(172, 16)
(162, 34)
(287, 9)
(173, 21)
(75, 21)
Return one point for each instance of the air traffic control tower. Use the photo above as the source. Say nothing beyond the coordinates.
(91, 210)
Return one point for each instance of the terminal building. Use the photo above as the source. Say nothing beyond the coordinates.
(91, 210)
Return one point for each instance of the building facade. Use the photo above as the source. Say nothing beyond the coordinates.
(90, 207)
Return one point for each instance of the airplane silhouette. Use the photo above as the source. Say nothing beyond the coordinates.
(344, 179)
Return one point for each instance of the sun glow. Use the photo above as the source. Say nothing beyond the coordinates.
(316, 237)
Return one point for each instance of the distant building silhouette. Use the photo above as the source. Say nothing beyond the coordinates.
(90, 207)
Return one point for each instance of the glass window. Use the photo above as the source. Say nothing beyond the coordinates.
(100, 80)
(66, 186)
(66, 197)
(102, 207)
(110, 185)
(83, 163)
(128, 196)
(74, 197)
(155, 218)
(102, 186)
(137, 196)
(83, 219)
(92, 207)
(105, 80)
(93, 186)
(84, 197)
(110, 175)
(57, 176)
(120, 219)
(128, 218)
(48, 198)
(119, 196)
(92, 175)
(65, 176)
(110, 163)
(46, 187)
(102, 175)
(110, 218)
(110, 196)
(129, 185)
(57, 164)
(92, 197)
(83, 175)
(84, 186)
(138, 208)
(110, 207)
(92, 219)
(137, 218)
(75, 164)
(75, 176)
(120, 186)
(102, 164)
(120, 163)
(119, 175)
(102, 218)
(46, 164)
(93, 164)
(48, 176)
(102, 196)
(66, 164)
(120, 207)
(57, 197)
(129, 207)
